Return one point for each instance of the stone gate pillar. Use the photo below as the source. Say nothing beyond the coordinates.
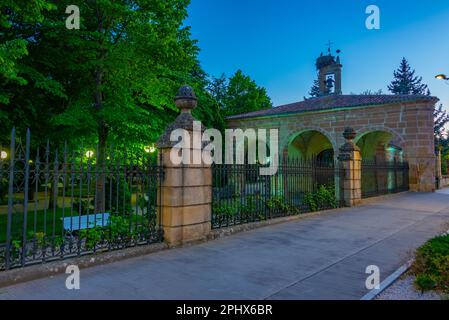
(351, 163)
(185, 194)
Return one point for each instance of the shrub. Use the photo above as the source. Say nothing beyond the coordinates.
(92, 236)
(225, 209)
(121, 202)
(424, 282)
(248, 207)
(444, 169)
(278, 204)
(431, 266)
(119, 232)
(324, 198)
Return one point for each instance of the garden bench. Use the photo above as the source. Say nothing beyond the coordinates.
(77, 223)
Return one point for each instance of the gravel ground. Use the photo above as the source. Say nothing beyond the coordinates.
(403, 289)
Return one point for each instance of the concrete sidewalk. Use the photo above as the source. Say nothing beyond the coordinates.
(322, 257)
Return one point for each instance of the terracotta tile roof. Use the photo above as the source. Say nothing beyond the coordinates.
(334, 102)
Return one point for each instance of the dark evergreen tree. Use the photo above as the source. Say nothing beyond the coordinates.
(441, 118)
(315, 90)
(405, 81)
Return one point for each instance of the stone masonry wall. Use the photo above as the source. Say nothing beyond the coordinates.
(411, 125)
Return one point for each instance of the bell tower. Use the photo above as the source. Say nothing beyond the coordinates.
(329, 73)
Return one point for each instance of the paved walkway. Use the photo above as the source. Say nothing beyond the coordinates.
(322, 257)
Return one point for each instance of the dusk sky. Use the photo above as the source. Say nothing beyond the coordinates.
(276, 42)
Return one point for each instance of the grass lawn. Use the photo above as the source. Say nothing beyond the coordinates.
(17, 223)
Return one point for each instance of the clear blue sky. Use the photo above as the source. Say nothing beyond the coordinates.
(276, 42)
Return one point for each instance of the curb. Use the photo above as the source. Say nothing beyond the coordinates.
(388, 281)
(392, 278)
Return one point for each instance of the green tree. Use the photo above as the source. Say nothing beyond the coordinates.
(244, 95)
(13, 15)
(208, 110)
(113, 80)
(405, 81)
(18, 21)
(218, 88)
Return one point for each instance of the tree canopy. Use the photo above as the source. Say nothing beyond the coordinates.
(239, 94)
(111, 80)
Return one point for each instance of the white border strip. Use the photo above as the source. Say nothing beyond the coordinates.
(387, 282)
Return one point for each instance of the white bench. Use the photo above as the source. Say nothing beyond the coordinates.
(86, 222)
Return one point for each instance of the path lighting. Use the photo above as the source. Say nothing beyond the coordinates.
(89, 154)
(441, 77)
(149, 149)
(3, 155)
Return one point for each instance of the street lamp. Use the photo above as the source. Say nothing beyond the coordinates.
(441, 77)
(3, 155)
(89, 154)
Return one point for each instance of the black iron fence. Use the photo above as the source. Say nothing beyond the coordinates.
(55, 205)
(379, 178)
(242, 195)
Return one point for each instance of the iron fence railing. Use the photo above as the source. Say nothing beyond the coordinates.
(379, 178)
(241, 195)
(56, 205)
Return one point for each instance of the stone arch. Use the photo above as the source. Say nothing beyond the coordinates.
(292, 134)
(379, 143)
(365, 130)
(307, 142)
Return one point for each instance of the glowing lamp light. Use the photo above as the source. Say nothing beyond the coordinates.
(441, 77)
(3, 155)
(149, 149)
(89, 154)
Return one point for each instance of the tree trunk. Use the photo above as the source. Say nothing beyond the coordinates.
(100, 205)
(100, 191)
(100, 188)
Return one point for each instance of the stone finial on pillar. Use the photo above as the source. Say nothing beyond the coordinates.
(185, 194)
(350, 162)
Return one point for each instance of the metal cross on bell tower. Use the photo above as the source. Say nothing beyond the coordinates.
(329, 46)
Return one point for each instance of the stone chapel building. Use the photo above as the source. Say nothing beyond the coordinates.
(388, 127)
